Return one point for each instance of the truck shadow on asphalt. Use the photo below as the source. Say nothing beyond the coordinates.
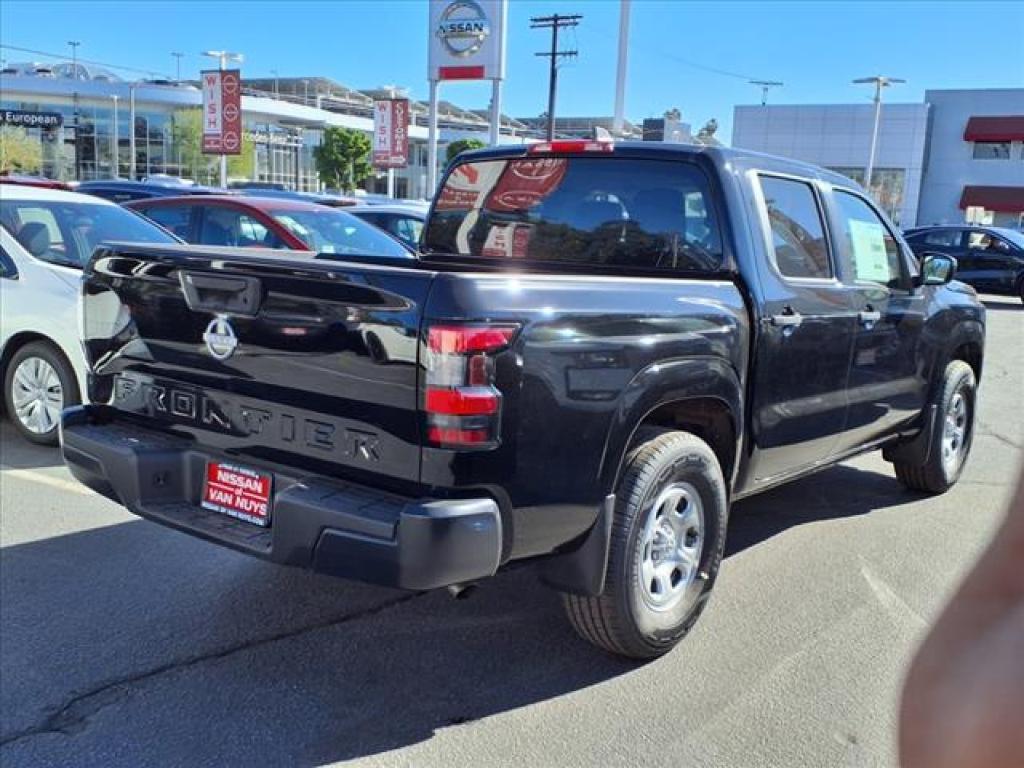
(113, 633)
(18, 453)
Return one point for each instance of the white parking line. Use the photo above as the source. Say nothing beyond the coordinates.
(32, 476)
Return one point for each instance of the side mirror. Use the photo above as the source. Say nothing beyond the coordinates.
(937, 269)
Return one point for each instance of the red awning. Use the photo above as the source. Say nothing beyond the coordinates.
(1001, 128)
(999, 199)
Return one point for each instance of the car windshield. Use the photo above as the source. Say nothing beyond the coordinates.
(600, 211)
(67, 233)
(1017, 238)
(330, 231)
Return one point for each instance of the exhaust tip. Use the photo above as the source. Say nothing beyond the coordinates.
(461, 591)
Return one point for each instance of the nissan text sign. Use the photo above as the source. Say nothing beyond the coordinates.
(391, 133)
(222, 112)
(467, 40)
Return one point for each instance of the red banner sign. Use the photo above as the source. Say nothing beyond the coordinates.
(222, 112)
(391, 133)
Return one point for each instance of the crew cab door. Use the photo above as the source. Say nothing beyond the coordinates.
(887, 384)
(805, 335)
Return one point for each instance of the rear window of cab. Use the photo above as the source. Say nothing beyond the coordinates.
(616, 212)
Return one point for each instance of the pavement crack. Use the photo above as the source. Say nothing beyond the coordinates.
(990, 432)
(73, 716)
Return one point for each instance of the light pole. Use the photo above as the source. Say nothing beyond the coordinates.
(305, 92)
(223, 57)
(274, 73)
(880, 82)
(74, 57)
(117, 146)
(177, 65)
(764, 85)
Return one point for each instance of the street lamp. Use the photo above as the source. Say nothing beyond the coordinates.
(305, 92)
(74, 57)
(223, 57)
(117, 145)
(177, 65)
(880, 82)
(274, 73)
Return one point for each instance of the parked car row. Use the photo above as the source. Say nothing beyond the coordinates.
(401, 219)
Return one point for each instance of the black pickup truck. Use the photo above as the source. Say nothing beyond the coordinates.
(597, 350)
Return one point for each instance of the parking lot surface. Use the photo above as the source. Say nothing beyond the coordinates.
(124, 643)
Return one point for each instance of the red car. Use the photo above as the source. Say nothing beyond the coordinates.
(32, 181)
(268, 222)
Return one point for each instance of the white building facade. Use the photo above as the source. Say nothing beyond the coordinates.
(838, 137)
(975, 157)
(957, 149)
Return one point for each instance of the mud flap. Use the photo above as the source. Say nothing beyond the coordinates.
(582, 571)
(915, 451)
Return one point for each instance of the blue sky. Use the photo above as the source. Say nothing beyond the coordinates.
(816, 48)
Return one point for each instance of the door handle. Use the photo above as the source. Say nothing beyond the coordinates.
(869, 317)
(787, 320)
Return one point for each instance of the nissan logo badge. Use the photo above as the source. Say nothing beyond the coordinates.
(463, 28)
(220, 338)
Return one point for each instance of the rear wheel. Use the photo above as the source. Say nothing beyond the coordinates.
(39, 383)
(951, 434)
(668, 538)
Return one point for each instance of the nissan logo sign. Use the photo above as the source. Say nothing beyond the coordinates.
(463, 28)
(220, 338)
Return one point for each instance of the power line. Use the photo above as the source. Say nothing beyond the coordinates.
(64, 57)
(554, 22)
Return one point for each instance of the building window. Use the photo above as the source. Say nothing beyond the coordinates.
(991, 150)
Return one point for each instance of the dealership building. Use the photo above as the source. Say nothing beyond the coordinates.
(958, 149)
(91, 124)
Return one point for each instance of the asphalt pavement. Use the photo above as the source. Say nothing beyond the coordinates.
(126, 644)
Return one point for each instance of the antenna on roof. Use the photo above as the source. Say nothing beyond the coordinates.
(764, 86)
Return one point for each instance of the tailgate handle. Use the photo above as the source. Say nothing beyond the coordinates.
(236, 295)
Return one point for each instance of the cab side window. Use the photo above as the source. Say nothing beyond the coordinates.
(797, 230)
(871, 252)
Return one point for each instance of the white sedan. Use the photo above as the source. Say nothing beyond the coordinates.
(45, 237)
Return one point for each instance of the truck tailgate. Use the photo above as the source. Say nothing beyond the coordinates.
(283, 358)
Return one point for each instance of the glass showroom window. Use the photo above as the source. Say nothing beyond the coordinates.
(991, 150)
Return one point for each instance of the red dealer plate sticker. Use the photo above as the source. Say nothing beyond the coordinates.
(238, 491)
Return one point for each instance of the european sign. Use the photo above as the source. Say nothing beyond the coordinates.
(222, 112)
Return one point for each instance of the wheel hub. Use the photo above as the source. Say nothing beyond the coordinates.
(954, 431)
(37, 395)
(672, 541)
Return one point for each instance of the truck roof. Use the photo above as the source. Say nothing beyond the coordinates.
(721, 157)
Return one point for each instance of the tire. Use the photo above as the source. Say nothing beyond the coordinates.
(947, 453)
(644, 611)
(39, 370)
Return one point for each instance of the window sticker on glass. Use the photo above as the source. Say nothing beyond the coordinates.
(869, 255)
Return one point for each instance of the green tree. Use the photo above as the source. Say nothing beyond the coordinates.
(188, 146)
(343, 157)
(18, 152)
(463, 145)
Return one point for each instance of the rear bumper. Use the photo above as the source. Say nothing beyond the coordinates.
(330, 526)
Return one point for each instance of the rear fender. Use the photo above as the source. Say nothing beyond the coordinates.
(664, 383)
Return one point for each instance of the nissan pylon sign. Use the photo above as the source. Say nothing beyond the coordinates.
(222, 112)
(467, 39)
(391, 133)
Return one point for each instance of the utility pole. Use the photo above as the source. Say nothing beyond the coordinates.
(554, 23)
(619, 117)
(765, 85)
(880, 82)
(177, 65)
(74, 57)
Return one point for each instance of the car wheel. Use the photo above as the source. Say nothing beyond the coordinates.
(38, 385)
(668, 537)
(951, 434)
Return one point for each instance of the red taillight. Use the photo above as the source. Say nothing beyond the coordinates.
(459, 339)
(570, 146)
(462, 404)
